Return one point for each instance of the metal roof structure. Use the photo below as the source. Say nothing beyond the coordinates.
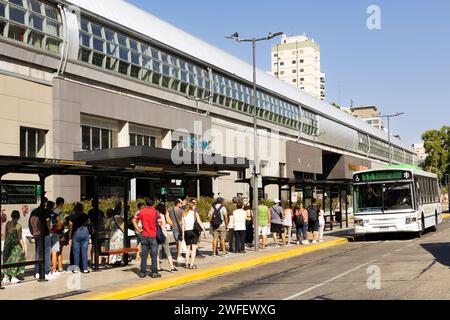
(145, 24)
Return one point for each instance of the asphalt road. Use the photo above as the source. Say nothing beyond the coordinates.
(389, 267)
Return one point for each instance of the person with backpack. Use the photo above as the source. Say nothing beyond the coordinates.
(218, 218)
(301, 223)
(39, 231)
(313, 221)
(276, 222)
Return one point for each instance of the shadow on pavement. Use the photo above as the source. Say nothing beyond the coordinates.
(440, 251)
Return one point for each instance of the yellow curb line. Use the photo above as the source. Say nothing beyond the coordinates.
(446, 216)
(141, 290)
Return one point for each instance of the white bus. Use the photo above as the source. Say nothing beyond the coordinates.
(400, 198)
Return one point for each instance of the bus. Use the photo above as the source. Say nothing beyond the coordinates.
(399, 198)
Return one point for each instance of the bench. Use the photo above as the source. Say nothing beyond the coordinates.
(119, 251)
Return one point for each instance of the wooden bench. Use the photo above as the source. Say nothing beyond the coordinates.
(119, 251)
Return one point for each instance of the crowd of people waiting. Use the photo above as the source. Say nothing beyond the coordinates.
(151, 224)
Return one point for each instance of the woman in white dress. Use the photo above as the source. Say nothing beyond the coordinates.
(321, 222)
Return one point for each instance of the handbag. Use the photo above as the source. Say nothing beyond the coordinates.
(197, 227)
(160, 237)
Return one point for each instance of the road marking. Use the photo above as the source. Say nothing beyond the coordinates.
(328, 281)
(399, 250)
(387, 255)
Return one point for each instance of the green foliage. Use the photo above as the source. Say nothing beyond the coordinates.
(437, 148)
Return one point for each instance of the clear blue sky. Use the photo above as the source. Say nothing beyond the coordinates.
(405, 66)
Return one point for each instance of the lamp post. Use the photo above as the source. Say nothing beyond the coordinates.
(197, 138)
(389, 116)
(236, 37)
(315, 136)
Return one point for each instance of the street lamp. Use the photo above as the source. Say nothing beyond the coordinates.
(389, 116)
(235, 37)
(315, 136)
(197, 138)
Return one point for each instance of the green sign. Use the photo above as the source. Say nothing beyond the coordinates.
(38, 191)
(163, 191)
(375, 176)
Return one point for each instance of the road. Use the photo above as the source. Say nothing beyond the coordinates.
(388, 267)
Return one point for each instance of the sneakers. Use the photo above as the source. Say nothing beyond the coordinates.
(14, 280)
(298, 242)
(314, 241)
(142, 275)
(6, 279)
(181, 260)
(305, 242)
(56, 274)
(48, 276)
(155, 275)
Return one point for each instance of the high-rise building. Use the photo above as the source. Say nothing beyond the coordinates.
(368, 114)
(420, 151)
(296, 60)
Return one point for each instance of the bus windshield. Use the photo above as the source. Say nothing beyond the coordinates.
(372, 198)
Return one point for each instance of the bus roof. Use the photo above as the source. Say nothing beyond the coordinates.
(415, 170)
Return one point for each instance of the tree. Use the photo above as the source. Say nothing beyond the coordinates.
(437, 148)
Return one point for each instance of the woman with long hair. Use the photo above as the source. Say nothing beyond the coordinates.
(14, 250)
(287, 221)
(79, 237)
(190, 217)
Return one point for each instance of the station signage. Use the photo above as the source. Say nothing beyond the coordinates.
(390, 175)
(19, 193)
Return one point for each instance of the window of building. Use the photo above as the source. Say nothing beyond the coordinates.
(294, 62)
(275, 73)
(294, 80)
(302, 61)
(32, 142)
(294, 71)
(302, 79)
(94, 138)
(281, 72)
(142, 140)
(302, 70)
(281, 63)
(32, 22)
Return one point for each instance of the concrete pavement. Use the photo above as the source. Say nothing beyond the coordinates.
(123, 282)
(392, 267)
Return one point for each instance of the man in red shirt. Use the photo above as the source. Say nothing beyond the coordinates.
(148, 217)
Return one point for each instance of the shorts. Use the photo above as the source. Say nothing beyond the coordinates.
(313, 226)
(220, 233)
(54, 242)
(190, 237)
(276, 228)
(264, 230)
(176, 235)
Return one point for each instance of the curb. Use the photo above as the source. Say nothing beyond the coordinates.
(141, 290)
(446, 216)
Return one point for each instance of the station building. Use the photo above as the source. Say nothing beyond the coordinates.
(103, 81)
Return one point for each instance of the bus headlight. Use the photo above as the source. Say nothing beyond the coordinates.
(411, 220)
(359, 222)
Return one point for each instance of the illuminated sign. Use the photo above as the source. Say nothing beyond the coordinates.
(382, 176)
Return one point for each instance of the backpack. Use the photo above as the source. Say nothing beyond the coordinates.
(312, 213)
(216, 218)
(301, 217)
(34, 223)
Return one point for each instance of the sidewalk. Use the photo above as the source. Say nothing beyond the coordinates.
(124, 283)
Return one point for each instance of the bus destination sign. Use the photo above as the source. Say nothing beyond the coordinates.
(382, 176)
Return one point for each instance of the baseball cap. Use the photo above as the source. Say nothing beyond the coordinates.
(277, 201)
